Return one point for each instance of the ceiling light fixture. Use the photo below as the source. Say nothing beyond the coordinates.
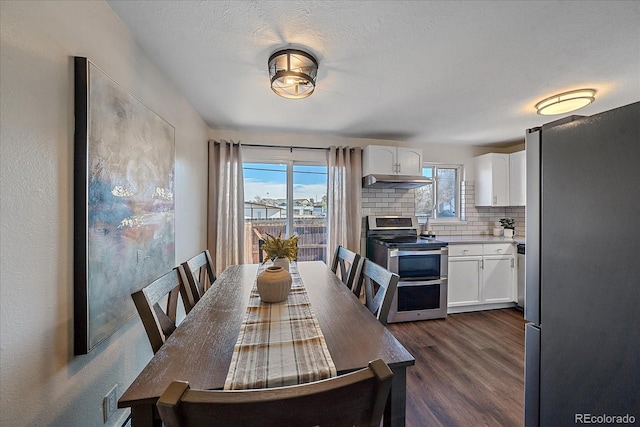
(565, 102)
(293, 73)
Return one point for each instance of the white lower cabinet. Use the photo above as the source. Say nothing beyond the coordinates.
(498, 279)
(464, 280)
(481, 277)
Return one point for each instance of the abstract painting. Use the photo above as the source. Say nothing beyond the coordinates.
(123, 203)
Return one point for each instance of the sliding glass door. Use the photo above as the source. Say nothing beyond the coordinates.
(286, 198)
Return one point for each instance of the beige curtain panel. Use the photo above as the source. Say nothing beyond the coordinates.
(225, 222)
(344, 193)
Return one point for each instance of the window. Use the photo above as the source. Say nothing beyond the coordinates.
(286, 198)
(440, 200)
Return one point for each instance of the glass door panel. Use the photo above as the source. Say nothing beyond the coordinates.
(310, 211)
(265, 206)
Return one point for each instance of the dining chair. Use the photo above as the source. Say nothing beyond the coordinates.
(379, 288)
(200, 275)
(158, 323)
(357, 398)
(349, 264)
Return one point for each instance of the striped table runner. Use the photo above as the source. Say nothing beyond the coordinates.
(279, 344)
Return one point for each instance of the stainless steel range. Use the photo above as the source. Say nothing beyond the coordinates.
(395, 243)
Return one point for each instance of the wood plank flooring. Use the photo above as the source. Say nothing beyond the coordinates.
(469, 369)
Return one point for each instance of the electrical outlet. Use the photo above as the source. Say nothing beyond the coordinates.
(110, 403)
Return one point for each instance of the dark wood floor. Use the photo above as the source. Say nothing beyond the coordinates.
(469, 369)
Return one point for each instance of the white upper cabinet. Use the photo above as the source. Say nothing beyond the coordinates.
(500, 179)
(517, 179)
(409, 161)
(378, 159)
(492, 179)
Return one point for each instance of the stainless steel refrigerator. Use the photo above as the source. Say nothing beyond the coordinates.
(582, 297)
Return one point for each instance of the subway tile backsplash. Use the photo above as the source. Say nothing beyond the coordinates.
(478, 220)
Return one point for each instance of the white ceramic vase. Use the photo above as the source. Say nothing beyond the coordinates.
(274, 284)
(281, 262)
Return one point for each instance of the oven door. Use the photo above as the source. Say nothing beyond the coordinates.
(418, 265)
(419, 301)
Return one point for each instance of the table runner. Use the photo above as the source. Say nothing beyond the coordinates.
(279, 344)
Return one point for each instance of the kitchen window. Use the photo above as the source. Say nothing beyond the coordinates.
(440, 201)
(286, 197)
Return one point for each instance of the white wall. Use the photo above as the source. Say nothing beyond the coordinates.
(42, 383)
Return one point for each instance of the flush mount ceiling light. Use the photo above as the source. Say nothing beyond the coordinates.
(565, 102)
(293, 73)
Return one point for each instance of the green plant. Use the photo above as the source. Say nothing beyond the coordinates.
(508, 223)
(277, 247)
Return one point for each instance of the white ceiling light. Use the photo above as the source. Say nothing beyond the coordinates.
(565, 102)
(293, 73)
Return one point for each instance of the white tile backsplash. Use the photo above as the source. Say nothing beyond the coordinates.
(478, 220)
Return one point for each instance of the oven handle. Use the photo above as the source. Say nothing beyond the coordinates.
(396, 253)
(441, 281)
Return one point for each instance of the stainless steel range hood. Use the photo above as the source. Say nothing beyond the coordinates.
(395, 181)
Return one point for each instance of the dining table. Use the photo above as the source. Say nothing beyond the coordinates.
(200, 350)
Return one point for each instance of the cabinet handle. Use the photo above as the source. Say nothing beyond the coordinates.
(512, 263)
(495, 199)
(498, 250)
(482, 264)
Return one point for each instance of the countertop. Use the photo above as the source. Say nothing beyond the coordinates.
(452, 240)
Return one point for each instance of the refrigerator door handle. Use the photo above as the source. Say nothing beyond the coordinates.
(532, 224)
(532, 376)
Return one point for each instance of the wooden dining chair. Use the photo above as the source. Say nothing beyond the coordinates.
(160, 323)
(200, 275)
(346, 264)
(357, 398)
(379, 288)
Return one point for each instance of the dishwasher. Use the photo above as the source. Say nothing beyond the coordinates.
(521, 275)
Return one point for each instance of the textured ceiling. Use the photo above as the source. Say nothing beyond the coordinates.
(465, 72)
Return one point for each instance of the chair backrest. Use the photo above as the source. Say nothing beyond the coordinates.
(346, 264)
(200, 275)
(357, 398)
(379, 288)
(260, 251)
(160, 323)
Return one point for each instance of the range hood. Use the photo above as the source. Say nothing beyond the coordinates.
(395, 181)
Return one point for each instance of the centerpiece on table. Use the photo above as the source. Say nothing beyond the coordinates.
(280, 250)
(509, 225)
(274, 283)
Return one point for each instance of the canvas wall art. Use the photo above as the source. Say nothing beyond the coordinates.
(123, 203)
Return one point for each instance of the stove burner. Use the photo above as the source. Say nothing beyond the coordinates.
(399, 239)
(408, 242)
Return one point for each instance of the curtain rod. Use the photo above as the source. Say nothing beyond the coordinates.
(289, 147)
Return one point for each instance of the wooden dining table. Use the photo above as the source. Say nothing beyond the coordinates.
(200, 349)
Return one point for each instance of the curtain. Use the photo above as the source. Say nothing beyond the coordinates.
(344, 193)
(225, 222)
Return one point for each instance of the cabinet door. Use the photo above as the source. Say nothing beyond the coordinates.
(492, 179)
(517, 178)
(500, 179)
(498, 278)
(378, 159)
(464, 280)
(483, 180)
(410, 160)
